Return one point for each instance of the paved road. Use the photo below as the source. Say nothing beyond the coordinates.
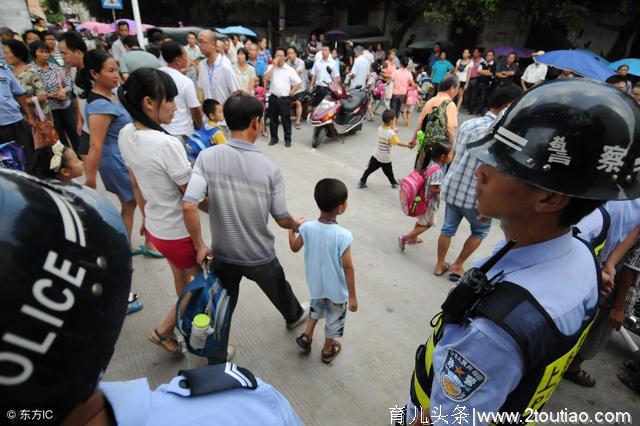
(397, 293)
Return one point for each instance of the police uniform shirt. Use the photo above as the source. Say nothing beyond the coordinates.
(135, 404)
(482, 355)
(9, 88)
(625, 215)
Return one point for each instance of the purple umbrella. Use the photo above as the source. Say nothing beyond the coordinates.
(336, 33)
(521, 52)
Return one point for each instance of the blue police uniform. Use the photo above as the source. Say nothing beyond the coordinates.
(9, 88)
(134, 403)
(479, 364)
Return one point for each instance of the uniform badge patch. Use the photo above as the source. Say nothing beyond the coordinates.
(459, 378)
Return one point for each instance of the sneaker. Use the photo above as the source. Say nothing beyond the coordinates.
(303, 317)
(394, 185)
(287, 144)
(272, 142)
(361, 184)
(402, 240)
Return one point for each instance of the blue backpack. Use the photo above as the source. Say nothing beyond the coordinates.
(199, 141)
(208, 296)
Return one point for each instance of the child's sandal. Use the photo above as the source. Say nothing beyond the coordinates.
(335, 351)
(304, 341)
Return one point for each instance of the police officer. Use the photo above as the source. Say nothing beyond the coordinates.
(12, 125)
(66, 276)
(510, 328)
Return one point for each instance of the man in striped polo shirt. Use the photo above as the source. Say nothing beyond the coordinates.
(244, 187)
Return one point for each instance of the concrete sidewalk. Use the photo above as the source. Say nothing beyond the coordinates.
(397, 295)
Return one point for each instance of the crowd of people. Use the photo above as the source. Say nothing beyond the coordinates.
(126, 114)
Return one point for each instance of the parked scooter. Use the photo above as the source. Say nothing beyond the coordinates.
(307, 104)
(341, 112)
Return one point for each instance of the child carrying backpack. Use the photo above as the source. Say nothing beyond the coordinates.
(434, 127)
(420, 194)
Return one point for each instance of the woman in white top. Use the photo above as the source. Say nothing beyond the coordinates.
(245, 73)
(463, 71)
(159, 172)
(193, 57)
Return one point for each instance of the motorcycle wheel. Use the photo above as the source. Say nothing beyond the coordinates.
(319, 135)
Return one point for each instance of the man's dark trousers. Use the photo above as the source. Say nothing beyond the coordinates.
(270, 277)
(280, 107)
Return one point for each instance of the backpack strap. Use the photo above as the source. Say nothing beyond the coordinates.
(442, 105)
(197, 284)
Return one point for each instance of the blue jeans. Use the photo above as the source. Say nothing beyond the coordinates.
(453, 216)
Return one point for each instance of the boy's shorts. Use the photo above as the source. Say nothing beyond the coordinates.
(335, 314)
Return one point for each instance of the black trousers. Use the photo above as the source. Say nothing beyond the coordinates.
(280, 108)
(270, 277)
(21, 133)
(387, 169)
(396, 104)
(471, 95)
(64, 121)
(482, 104)
(319, 94)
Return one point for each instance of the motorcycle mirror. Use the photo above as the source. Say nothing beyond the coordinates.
(329, 69)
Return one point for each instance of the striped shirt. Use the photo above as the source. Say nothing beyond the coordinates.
(244, 188)
(386, 138)
(459, 185)
(54, 78)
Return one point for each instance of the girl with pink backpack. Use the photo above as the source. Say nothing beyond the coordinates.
(424, 202)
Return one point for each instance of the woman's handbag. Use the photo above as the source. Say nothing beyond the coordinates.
(44, 132)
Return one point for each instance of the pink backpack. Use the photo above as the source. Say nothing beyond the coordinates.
(412, 96)
(412, 192)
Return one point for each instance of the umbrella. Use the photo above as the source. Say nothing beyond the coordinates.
(577, 62)
(595, 55)
(336, 33)
(428, 45)
(521, 52)
(632, 63)
(97, 27)
(238, 30)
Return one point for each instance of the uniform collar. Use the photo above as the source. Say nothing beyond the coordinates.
(130, 400)
(534, 254)
(247, 146)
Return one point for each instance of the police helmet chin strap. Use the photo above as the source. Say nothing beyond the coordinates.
(472, 287)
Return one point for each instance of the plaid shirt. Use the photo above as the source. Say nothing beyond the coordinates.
(459, 185)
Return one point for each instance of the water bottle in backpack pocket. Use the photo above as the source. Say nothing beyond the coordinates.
(206, 317)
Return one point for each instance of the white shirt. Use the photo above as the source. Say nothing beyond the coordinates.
(466, 69)
(323, 78)
(182, 123)
(159, 163)
(360, 71)
(218, 81)
(535, 73)
(369, 56)
(282, 80)
(118, 50)
(233, 53)
(301, 70)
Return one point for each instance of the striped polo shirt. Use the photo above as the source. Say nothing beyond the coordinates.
(244, 187)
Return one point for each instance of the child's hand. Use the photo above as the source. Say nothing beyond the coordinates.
(353, 304)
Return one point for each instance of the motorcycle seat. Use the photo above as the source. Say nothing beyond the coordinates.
(354, 101)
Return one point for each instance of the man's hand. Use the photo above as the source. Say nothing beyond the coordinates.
(202, 252)
(353, 304)
(90, 182)
(616, 317)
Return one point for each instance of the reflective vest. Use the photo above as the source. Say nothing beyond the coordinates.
(547, 352)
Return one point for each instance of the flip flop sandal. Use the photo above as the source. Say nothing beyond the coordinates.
(304, 341)
(629, 380)
(147, 252)
(133, 297)
(160, 342)
(446, 268)
(335, 350)
(298, 126)
(416, 241)
(453, 277)
(139, 250)
(580, 378)
(134, 307)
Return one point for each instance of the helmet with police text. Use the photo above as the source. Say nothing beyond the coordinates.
(66, 274)
(576, 137)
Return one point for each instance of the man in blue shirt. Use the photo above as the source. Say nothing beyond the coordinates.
(439, 69)
(63, 301)
(13, 125)
(483, 357)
